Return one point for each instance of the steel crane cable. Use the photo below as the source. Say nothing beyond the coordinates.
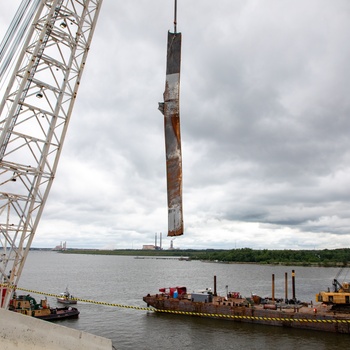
(15, 33)
(13, 27)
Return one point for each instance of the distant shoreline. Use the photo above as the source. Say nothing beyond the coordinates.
(307, 258)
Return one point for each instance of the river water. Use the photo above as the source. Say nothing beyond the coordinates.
(125, 280)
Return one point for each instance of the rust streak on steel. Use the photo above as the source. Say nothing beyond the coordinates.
(170, 110)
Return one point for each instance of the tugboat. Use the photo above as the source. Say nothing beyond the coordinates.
(66, 298)
(27, 305)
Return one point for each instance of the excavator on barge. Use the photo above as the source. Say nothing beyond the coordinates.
(339, 298)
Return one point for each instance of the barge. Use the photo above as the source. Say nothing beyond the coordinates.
(254, 309)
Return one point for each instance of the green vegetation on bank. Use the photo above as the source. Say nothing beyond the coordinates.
(326, 257)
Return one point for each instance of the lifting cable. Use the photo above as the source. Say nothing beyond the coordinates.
(15, 33)
(188, 313)
(175, 16)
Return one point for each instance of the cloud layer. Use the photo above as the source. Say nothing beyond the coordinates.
(264, 122)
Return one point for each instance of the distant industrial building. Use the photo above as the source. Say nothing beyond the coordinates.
(148, 247)
(155, 246)
(61, 246)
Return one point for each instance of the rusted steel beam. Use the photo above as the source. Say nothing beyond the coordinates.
(170, 110)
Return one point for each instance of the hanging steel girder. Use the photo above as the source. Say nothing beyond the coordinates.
(170, 109)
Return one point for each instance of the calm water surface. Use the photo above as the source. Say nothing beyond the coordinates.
(125, 280)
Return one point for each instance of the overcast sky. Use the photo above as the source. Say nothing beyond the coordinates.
(265, 128)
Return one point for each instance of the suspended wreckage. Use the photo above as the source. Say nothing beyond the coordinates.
(170, 109)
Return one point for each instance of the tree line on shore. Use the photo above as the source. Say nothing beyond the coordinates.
(335, 257)
(325, 257)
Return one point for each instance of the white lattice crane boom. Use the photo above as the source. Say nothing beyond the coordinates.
(34, 116)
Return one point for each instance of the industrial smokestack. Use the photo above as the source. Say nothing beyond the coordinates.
(155, 240)
(160, 241)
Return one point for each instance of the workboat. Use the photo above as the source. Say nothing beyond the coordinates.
(254, 309)
(27, 305)
(66, 298)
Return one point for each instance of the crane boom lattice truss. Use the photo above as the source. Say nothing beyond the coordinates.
(34, 116)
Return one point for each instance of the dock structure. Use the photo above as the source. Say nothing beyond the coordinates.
(18, 331)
